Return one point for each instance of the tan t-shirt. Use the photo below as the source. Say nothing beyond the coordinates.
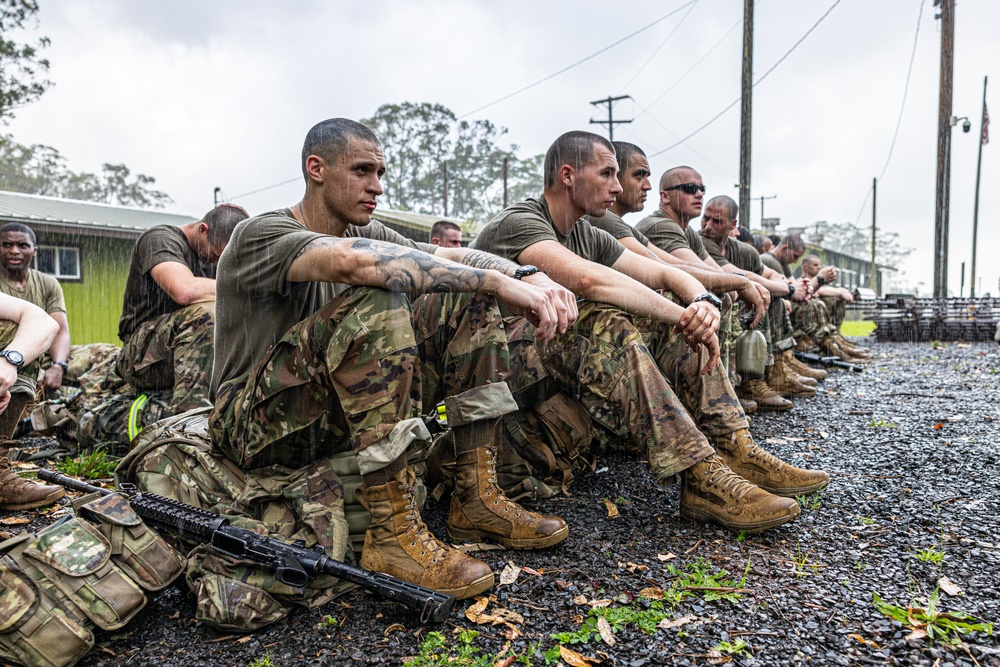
(40, 289)
(668, 235)
(255, 302)
(526, 223)
(614, 225)
(775, 264)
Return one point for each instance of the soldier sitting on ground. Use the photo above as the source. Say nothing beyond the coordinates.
(643, 363)
(363, 331)
(834, 300)
(25, 332)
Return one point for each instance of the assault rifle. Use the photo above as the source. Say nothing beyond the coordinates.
(293, 564)
(808, 357)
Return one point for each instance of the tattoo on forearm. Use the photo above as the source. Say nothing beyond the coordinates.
(484, 260)
(415, 272)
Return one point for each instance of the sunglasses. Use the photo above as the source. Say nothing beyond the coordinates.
(687, 188)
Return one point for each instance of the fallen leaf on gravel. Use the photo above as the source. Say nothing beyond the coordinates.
(604, 628)
(612, 508)
(580, 599)
(949, 587)
(533, 572)
(938, 426)
(14, 521)
(824, 435)
(652, 593)
(395, 627)
(577, 619)
(476, 609)
(791, 439)
(562, 585)
(715, 657)
(243, 640)
(633, 567)
(663, 558)
(500, 616)
(509, 573)
(776, 441)
(477, 546)
(506, 662)
(916, 635)
(668, 623)
(599, 603)
(866, 642)
(574, 659)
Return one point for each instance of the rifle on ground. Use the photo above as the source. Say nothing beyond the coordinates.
(808, 357)
(293, 564)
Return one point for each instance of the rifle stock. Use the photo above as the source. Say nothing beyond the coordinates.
(293, 564)
(836, 362)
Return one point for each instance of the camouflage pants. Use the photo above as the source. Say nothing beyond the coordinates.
(837, 307)
(350, 376)
(780, 326)
(173, 351)
(603, 362)
(812, 320)
(25, 383)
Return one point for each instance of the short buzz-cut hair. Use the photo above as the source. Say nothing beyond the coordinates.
(574, 148)
(21, 228)
(669, 174)
(794, 243)
(221, 221)
(746, 236)
(758, 242)
(330, 138)
(624, 152)
(441, 226)
(727, 203)
(812, 257)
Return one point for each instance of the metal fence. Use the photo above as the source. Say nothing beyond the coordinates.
(904, 318)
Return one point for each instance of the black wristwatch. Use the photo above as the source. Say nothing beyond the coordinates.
(819, 279)
(61, 364)
(711, 298)
(791, 290)
(525, 271)
(14, 357)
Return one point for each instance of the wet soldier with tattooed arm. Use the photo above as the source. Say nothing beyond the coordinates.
(642, 356)
(335, 333)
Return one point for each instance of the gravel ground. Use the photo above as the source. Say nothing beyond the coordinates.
(911, 448)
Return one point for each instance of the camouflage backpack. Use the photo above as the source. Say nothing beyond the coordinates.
(118, 419)
(83, 571)
(316, 504)
(538, 448)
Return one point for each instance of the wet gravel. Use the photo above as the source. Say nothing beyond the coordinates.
(911, 445)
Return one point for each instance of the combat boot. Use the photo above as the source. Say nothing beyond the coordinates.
(713, 492)
(830, 348)
(802, 369)
(787, 384)
(17, 493)
(398, 543)
(749, 407)
(851, 348)
(755, 464)
(767, 399)
(480, 510)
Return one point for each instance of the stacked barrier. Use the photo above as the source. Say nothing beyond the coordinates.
(905, 318)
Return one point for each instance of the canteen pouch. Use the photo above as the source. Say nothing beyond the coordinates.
(139, 551)
(72, 562)
(33, 629)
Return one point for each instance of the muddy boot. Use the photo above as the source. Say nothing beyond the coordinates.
(749, 407)
(767, 399)
(755, 464)
(17, 493)
(713, 492)
(399, 543)
(480, 511)
(830, 348)
(851, 348)
(802, 369)
(786, 383)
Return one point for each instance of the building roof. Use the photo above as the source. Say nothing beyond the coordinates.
(90, 218)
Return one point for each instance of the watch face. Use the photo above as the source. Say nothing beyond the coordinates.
(14, 357)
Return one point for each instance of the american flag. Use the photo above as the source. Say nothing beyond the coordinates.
(986, 125)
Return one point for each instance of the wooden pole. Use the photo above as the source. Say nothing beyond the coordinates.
(975, 208)
(746, 110)
(943, 184)
(872, 283)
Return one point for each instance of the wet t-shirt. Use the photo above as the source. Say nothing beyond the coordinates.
(612, 223)
(668, 234)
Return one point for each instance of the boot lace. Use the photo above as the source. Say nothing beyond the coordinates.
(763, 457)
(493, 487)
(727, 481)
(419, 530)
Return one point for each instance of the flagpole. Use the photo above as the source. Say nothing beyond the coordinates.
(983, 138)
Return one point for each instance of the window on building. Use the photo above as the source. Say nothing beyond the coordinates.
(63, 262)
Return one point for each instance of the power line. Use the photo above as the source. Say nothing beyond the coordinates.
(657, 50)
(268, 187)
(758, 81)
(578, 62)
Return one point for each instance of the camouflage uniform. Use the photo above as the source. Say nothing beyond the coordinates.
(812, 320)
(836, 306)
(604, 362)
(173, 351)
(350, 376)
(780, 326)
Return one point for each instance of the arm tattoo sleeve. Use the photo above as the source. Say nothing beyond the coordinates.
(484, 260)
(415, 272)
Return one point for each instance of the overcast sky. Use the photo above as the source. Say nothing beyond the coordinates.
(221, 93)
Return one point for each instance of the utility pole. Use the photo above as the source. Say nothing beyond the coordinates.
(983, 138)
(746, 109)
(761, 198)
(943, 184)
(871, 283)
(505, 167)
(610, 122)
